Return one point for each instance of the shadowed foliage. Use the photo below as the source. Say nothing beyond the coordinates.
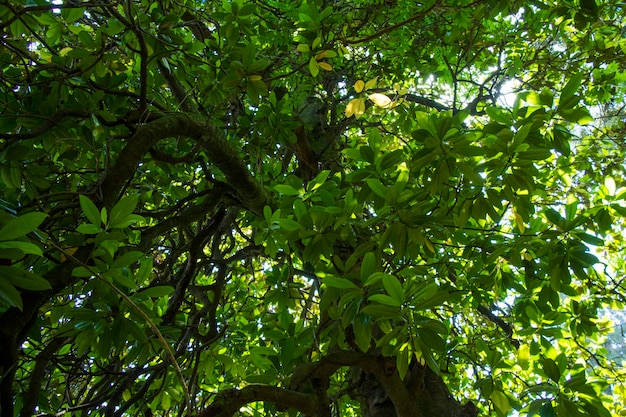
(321, 208)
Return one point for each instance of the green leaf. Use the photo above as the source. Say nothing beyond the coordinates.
(579, 115)
(313, 67)
(23, 279)
(367, 154)
(10, 295)
(70, 15)
(299, 209)
(319, 179)
(289, 224)
(156, 292)
(368, 266)
(90, 210)
(121, 278)
(127, 259)
(547, 410)
(82, 272)
(21, 226)
(362, 328)
(376, 186)
(554, 217)
(500, 402)
(393, 287)
(88, 229)
(403, 360)
(338, 282)
(121, 211)
(572, 86)
(385, 300)
(286, 189)
(22, 247)
(551, 369)
(380, 311)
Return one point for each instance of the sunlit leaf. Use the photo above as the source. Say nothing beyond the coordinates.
(500, 402)
(371, 83)
(380, 100)
(356, 108)
(325, 66)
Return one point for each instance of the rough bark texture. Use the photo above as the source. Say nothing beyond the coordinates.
(377, 386)
(427, 396)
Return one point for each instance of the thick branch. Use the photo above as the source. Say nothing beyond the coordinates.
(214, 144)
(403, 402)
(230, 401)
(36, 377)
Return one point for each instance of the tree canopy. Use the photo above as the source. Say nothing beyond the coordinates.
(380, 208)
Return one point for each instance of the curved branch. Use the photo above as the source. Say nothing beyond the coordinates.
(219, 152)
(230, 401)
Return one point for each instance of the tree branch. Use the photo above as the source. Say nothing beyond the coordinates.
(390, 28)
(214, 143)
(230, 401)
(48, 124)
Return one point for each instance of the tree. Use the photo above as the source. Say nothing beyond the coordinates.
(377, 208)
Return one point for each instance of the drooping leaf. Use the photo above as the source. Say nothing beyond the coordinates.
(10, 295)
(23, 279)
(21, 226)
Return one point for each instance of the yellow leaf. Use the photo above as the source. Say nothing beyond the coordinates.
(371, 83)
(358, 86)
(325, 66)
(254, 77)
(355, 108)
(321, 55)
(350, 107)
(68, 252)
(381, 100)
(65, 50)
